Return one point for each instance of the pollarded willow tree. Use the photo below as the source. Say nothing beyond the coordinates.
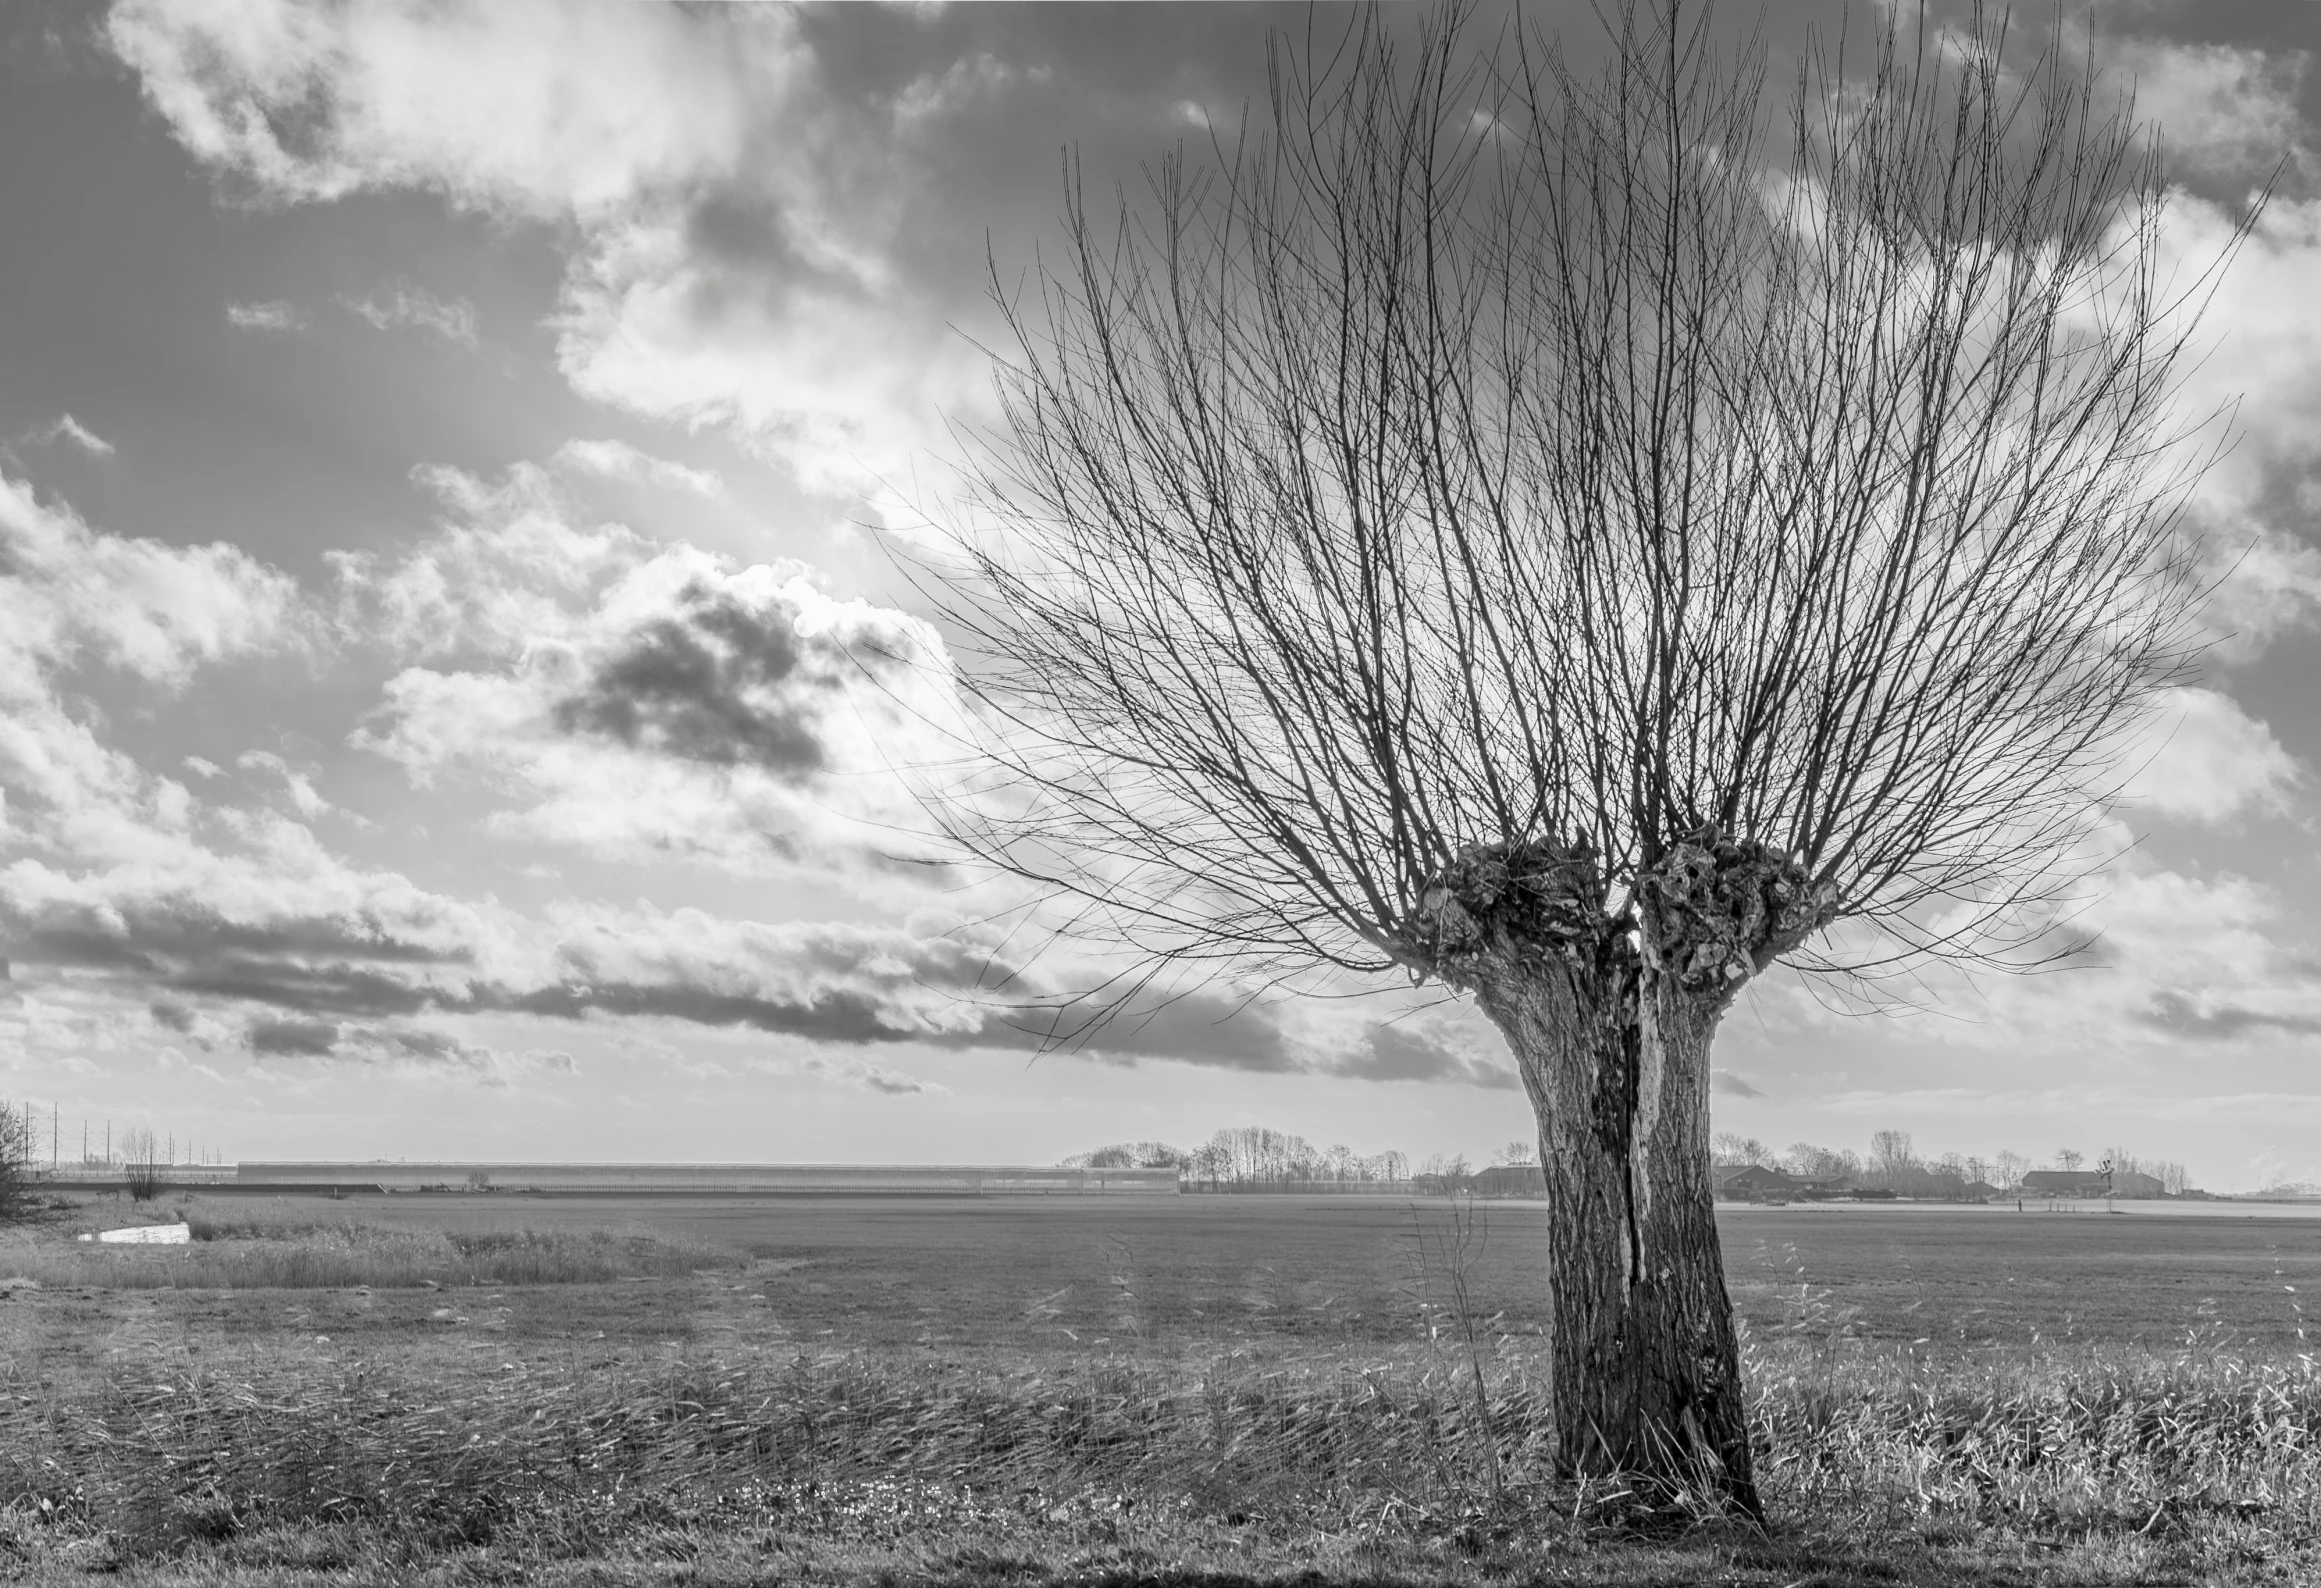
(1584, 540)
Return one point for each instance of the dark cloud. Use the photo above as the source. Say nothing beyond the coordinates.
(1202, 1026)
(357, 964)
(346, 986)
(852, 1016)
(1733, 1084)
(2178, 1016)
(1405, 1051)
(410, 1049)
(150, 932)
(334, 987)
(313, 1039)
(712, 683)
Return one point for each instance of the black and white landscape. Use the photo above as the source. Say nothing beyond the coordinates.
(1597, 715)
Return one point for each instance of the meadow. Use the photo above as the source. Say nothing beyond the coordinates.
(1200, 1390)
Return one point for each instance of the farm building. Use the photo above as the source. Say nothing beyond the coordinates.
(2066, 1183)
(2136, 1185)
(1750, 1182)
(1510, 1180)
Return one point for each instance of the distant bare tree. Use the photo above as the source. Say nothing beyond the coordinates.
(2069, 1159)
(15, 1162)
(142, 1163)
(1551, 537)
(1131, 1155)
(1890, 1153)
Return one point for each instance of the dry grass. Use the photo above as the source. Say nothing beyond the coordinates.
(2192, 1462)
(249, 1458)
(273, 1252)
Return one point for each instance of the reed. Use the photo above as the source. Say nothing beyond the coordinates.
(444, 1448)
(227, 1254)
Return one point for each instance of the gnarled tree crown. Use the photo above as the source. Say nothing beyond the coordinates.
(1497, 506)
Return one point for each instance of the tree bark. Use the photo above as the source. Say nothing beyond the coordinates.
(1645, 1370)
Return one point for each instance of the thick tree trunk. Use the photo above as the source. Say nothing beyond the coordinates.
(1646, 1370)
(1609, 1020)
(1610, 1017)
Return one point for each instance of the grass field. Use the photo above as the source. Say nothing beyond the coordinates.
(1212, 1389)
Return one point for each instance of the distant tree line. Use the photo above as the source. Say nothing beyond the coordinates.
(1254, 1155)
(1893, 1164)
(1250, 1155)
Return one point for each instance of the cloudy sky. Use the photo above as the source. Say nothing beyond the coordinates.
(441, 609)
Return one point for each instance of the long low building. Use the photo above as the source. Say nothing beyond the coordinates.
(714, 1178)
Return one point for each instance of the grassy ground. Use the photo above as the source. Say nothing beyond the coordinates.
(696, 1423)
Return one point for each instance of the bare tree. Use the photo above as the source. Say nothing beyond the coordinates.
(1582, 542)
(15, 1162)
(1890, 1153)
(2069, 1159)
(142, 1163)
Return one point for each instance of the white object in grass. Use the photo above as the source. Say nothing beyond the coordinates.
(146, 1235)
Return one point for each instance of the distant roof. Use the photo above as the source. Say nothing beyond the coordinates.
(1726, 1174)
(2071, 1180)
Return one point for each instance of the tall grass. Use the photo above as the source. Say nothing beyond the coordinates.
(243, 1254)
(449, 1446)
(2208, 1452)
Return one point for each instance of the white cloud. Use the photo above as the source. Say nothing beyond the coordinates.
(640, 701)
(505, 570)
(617, 460)
(269, 316)
(298, 785)
(2222, 109)
(2212, 762)
(2270, 584)
(2181, 958)
(66, 428)
(152, 610)
(737, 716)
(546, 110)
(857, 1073)
(2263, 331)
(452, 319)
(733, 228)
(78, 598)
